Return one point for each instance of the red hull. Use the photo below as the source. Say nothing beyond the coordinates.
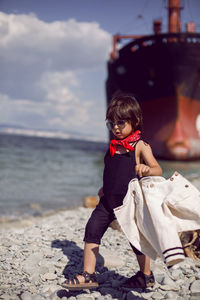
(178, 135)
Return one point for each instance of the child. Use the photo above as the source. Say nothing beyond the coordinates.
(123, 161)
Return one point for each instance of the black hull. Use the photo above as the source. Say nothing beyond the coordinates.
(154, 70)
(157, 68)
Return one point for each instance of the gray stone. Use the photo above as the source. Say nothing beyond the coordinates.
(180, 282)
(4, 287)
(35, 277)
(183, 295)
(57, 257)
(37, 297)
(58, 265)
(111, 260)
(6, 297)
(176, 274)
(157, 295)
(147, 295)
(159, 278)
(45, 289)
(187, 283)
(43, 269)
(26, 296)
(54, 296)
(171, 295)
(185, 291)
(158, 267)
(84, 297)
(169, 288)
(31, 263)
(104, 297)
(61, 280)
(167, 281)
(197, 276)
(7, 242)
(50, 288)
(195, 287)
(195, 297)
(48, 276)
(96, 294)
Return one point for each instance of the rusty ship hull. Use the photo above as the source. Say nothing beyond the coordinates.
(163, 72)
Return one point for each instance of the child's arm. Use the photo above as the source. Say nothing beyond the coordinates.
(151, 166)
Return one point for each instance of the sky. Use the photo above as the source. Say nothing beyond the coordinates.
(53, 57)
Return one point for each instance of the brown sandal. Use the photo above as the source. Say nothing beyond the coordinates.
(139, 280)
(74, 283)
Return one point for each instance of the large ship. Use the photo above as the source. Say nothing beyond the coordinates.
(163, 71)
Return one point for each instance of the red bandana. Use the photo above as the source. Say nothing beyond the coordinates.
(125, 142)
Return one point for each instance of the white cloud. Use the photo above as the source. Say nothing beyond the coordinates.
(60, 107)
(43, 69)
(57, 45)
(60, 99)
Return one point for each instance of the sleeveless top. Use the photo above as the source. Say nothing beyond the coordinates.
(118, 172)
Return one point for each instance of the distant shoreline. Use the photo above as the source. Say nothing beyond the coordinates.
(50, 134)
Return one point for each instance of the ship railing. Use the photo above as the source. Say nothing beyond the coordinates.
(145, 41)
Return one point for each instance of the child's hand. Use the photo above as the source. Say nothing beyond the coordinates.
(142, 170)
(100, 193)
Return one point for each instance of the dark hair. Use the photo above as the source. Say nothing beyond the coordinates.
(125, 107)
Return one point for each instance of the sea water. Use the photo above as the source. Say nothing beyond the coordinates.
(38, 175)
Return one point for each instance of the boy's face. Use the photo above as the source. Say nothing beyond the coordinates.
(121, 129)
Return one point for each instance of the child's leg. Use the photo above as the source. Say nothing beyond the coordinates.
(144, 264)
(143, 278)
(143, 261)
(91, 251)
(95, 229)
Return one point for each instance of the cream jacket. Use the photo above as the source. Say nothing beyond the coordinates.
(154, 210)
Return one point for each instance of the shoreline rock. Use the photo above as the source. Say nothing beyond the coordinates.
(37, 253)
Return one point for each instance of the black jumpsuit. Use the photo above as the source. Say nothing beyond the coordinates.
(118, 172)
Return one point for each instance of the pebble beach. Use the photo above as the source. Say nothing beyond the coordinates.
(37, 253)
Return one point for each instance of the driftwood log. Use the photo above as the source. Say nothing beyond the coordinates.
(191, 243)
(189, 239)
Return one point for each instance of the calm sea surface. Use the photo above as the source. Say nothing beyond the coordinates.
(41, 174)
